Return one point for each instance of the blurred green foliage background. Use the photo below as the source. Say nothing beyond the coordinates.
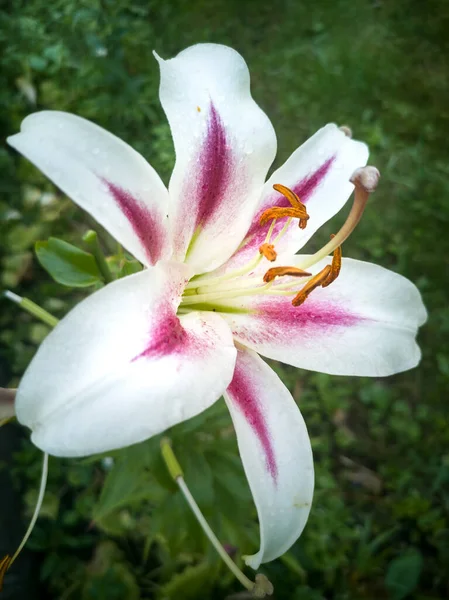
(119, 529)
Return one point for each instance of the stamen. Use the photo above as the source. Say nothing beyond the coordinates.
(280, 235)
(311, 285)
(365, 181)
(7, 561)
(212, 281)
(268, 251)
(289, 194)
(4, 566)
(276, 212)
(335, 266)
(297, 210)
(282, 271)
(219, 295)
(270, 231)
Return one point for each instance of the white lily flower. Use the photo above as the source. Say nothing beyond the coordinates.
(160, 346)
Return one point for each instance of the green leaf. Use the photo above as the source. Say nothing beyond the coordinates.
(109, 577)
(127, 483)
(403, 574)
(192, 583)
(67, 264)
(199, 478)
(130, 267)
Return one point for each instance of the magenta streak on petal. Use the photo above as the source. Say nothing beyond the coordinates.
(148, 229)
(311, 315)
(277, 319)
(215, 167)
(245, 395)
(167, 337)
(304, 189)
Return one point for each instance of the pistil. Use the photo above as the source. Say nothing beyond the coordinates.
(365, 181)
(233, 284)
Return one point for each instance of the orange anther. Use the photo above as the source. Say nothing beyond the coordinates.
(335, 266)
(297, 210)
(268, 251)
(290, 195)
(282, 271)
(311, 285)
(4, 565)
(276, 212)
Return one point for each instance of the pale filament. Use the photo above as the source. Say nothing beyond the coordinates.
(213, 281)
(230, 275)
(230, 293)
(244, 285)
(211, 289)
(282, 231)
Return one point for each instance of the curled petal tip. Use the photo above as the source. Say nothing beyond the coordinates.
(346, 130)
(157, 57)
(366, 178)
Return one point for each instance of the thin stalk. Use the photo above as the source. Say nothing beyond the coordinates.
(361, 196)
(175, 471)
(91, 239)
(244, 580)
(270, 231)
(37, 509)
(282, 231)
(228, 294)
(33, 308)
(235, 273)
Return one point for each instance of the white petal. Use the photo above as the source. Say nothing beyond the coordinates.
(121, 367)
(364, 323)
(276, 453)
(318, 172)
(224, 146)
(102, 174)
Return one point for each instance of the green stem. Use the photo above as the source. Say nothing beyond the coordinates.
(33, 308)
(91, 239)
(177, 474)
